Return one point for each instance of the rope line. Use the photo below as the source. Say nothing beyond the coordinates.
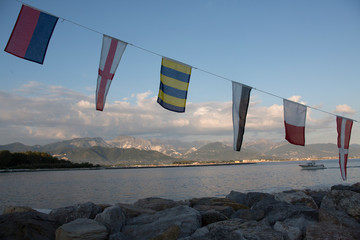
(157, 54)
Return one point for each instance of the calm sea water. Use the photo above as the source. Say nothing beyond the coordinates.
(52, 189)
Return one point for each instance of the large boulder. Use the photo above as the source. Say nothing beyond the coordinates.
(279, 211)
(222, 205)
(344, 200)
(172, 233)
(336, 217)
(214, 201)
(328, 231)
(355, 187)
(296, 197)
(211, 216)
(113, 218)
(18, 209)
(118, 236)
(249, 214)
(132, 211)
(238, 197)
(254, 197)
(70, 213)
(317, 195)
(150, 226)
(226, 210)
(156, 204)
(27, 225)
(240, 229)
(82, 229)
(293, 228)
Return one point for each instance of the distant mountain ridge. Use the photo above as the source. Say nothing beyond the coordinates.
(130, 150)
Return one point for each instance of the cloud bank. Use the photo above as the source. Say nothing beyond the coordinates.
(38, 114)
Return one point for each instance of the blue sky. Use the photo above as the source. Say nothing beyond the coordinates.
(308, 51)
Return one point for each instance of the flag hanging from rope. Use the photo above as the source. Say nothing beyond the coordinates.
(344, 126)
(111, 53)
(294, 120)
(174, 84)
(241, 99)
(31, 34)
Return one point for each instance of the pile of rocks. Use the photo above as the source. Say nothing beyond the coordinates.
(296, 214)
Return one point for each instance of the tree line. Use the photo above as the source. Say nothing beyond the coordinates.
(34, 160)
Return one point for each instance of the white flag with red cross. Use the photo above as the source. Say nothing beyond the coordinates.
(111, 53)
(344, 126)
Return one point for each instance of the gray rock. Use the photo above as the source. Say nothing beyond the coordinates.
(316, 195)
(238, 197)
(327, 231)
(296, 197)
(157, 204)
(200, 232)
(267, 204)
(254, 197)
(113, 218)
(337, 217)
(172, 233)
(240, 229)
(211, 216)
(118, 236)
(249, 214)
(150, 226)
(214, 201)
(82, 229)
(19, 209)
(132, 211)
(291, 232)
(70, 213)
(354, 188)
(226, 210)
(27, 225)
(280, 212)
(343, 200)
(293, 228)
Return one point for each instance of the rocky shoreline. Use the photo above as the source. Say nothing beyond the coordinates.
(294, 215)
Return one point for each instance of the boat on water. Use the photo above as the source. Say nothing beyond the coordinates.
(312, 166)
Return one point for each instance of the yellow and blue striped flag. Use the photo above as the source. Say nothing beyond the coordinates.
(174, 83)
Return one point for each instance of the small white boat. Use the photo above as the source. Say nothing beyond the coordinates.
(312, 166)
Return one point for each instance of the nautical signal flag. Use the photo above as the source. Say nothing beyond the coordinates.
(174, 84)
(111, 53)
(31, 34)
(294, 120)
(344, 126)
(241, 99)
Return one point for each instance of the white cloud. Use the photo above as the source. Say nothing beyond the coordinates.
(57, 113)
(84, 104)
(344, 109)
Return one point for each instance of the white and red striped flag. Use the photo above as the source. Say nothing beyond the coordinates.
(111, 53)
(294, 120)
(344, 126)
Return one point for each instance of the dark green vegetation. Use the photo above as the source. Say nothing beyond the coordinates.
(35, 160)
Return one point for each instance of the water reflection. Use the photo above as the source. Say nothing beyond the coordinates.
(62, 188)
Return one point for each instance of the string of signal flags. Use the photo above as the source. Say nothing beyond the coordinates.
(31, 36)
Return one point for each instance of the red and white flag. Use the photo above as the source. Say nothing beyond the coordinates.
(294, 120)
(344, 126)
(111, 53)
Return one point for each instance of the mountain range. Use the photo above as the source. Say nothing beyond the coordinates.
(126, 150)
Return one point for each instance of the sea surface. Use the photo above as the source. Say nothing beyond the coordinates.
(53, 189)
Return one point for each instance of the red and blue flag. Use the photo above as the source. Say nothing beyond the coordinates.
(31, 34)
